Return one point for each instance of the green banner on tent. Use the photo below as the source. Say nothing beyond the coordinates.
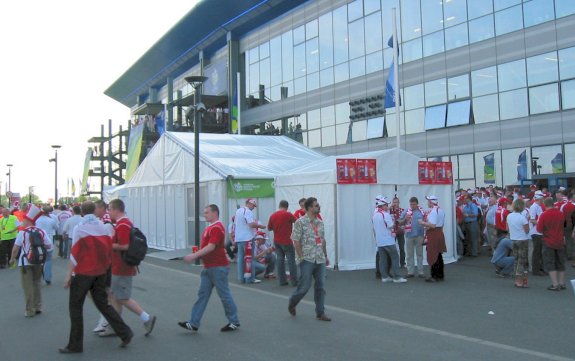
(251, 188)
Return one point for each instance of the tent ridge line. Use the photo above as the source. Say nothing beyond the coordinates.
(185, 147)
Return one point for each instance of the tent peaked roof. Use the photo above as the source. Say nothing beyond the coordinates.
(171, 160)
(394, 166)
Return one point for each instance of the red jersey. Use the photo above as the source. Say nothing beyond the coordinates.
(567, 209)
(299, 213)
(459, 215)
(91, 253)
(550, 225)
(501, 218)
(215, 234)
(281, 223)
(122, 237)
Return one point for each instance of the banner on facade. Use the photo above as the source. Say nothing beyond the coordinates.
(489, 169)
(84, 189)
(251, 188)
(134, 150)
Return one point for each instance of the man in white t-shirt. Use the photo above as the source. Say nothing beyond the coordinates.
(383, 230)
(536, 244)
(245, 230)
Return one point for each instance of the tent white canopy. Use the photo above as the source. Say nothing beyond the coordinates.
(347, 208)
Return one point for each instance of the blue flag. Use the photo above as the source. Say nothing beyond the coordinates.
(522, 166)
(390, 82)
(159, 123)
(489, 168)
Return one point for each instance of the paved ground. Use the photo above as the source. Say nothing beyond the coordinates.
(371, 320)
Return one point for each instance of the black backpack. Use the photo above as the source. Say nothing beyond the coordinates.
(137, 248)
(37, 253)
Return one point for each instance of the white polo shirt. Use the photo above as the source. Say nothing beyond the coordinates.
(382, 227)
(243, 231)
(436, 216)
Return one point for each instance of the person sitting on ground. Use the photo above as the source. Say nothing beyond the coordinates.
(265, 256)
(502, 258)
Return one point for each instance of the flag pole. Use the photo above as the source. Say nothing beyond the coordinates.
(396, 78)
(238, 90)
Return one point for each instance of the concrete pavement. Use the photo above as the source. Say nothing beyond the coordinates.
(371, 320)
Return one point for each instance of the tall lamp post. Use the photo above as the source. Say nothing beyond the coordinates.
(55, 160)
(9, 193)
(196, 83)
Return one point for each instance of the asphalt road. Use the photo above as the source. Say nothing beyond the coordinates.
(371, 320)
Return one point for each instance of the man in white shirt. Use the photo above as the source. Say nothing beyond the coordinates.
(536, 244)
(383, 229)
(68, 229)
(245, 230)
(48, 224)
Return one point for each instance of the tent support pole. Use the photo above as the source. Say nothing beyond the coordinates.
(335, 233)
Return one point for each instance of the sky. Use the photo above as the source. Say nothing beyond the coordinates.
(58, 59)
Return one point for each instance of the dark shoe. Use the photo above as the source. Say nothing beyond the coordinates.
(48, 283)
(323, 317)
(149, 325)
(554, 288)
(230, 327)
(38, 312)
(409, 276)
(378, 275)
(188, 326)
(67, 350)
(430, 279)
(126, 341)
(562, 287)
(291, 310)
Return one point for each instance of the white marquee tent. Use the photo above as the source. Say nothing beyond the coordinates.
(347, 208)
(160, 196)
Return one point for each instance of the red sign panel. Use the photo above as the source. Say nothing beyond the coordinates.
(366, 171)
(346, 171)
(435, 172)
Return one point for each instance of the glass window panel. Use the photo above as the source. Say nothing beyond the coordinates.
(454, 12)
(550, 159)
(486, 108)
(301, 121)
(433, 44)
(265, 72)
(290, 88)
(340, 51)
(502, 4)
(481, 29)
(414, 97)
(311, 30)
(254, 55)
(374, 38)
(248, 76)
(299, 86)
(410, 19)
(287, 57)
(435, 92)
(458, 87)
(299, 34)
(356, 39)
(484, 81)
(391, 123)
(370, 6)
(356, 67)
(411, 51)
(299, 56)
(341, 72)
(544, 99)
(542, 68)
(327, 136)
(537, 12)
(314, 138)
(466, 166)
(564, 8)
(570, 157)
(327, 116)
(568, 94)
(326, 77)
(435, 117)
(414, 121)
(513, 104)
(276, 60)
(509, 20)
(312, 55)
(483, 176)
(325, 41)
(375, 128)
(458, 113)
(516, 165)
(567, 63)
(432, 17)
(341, 133)
(254, 78)
(314, 119)
(275, 93)
(374, 62)
(477, 8)
(342, 113)
(264, 50)
(359, 131)
(313, 81)
(512, 75)
(355, 10)
(456, 36)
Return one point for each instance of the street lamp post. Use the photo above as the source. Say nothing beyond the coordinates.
(9, 193)
(196, 83)
(55, 160)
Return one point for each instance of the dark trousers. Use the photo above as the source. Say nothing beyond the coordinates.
(437, 268)
(79, 288)
(401, 243)
(5, 251)
(537, 255)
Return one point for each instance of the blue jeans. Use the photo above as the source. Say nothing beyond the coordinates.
(384, 253)
(48, 267)
(472, 238)
(283, 251)
(268, 267)
(240, 263)
(307, 271)
(210, 278)
(506, 265)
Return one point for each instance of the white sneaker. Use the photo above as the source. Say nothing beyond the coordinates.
(101, 326)
(256, 281)
(108, 331)
(387, 280)
(399, 280)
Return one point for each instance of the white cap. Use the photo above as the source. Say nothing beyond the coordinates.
(433, 199)
(539, 195)
(381, 201)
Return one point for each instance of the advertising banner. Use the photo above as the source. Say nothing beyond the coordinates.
(366, 171)
(251, 188)
(346, 170)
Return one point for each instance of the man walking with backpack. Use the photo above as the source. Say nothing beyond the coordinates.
(33, 245)
(122, 273)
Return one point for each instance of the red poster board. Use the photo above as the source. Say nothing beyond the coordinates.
(435, 172)
(346, 171)
(366, 171)
(423, 172)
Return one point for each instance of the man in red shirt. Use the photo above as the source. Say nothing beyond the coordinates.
(122, 274)
(567, 208)
(90, 257)
(501, 217)
(550, 225)
(281, 223)
(215, 273)
(301, 211)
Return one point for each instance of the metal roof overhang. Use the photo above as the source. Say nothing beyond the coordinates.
(208, 100)
(148, 108)
(177, 51)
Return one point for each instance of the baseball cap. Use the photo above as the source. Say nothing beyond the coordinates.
(381, 201)
(502, 201)
(261, 235)
(539, 195)
(433, 199)
(252, 201)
